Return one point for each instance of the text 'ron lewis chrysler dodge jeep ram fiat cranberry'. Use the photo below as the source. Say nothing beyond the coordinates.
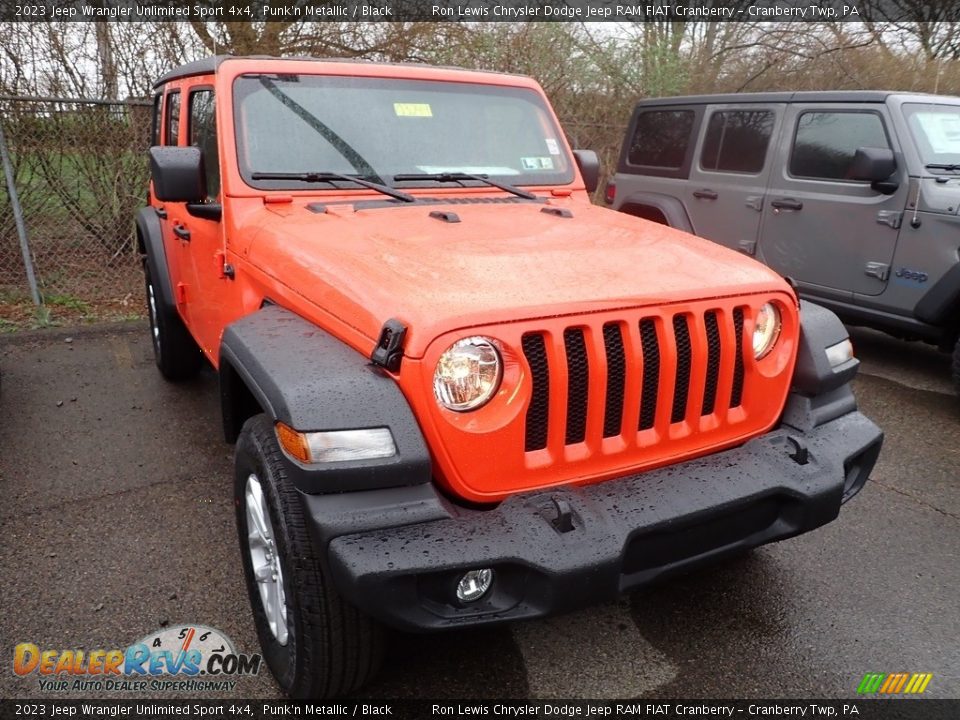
(460, 393)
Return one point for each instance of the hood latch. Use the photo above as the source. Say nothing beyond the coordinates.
(389, 350)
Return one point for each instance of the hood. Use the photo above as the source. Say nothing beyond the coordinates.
(940, 194)
(501, 262)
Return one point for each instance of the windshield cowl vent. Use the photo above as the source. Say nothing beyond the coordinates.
(374, 204)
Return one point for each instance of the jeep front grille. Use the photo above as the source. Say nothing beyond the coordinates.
(596, 395)
(693, 344)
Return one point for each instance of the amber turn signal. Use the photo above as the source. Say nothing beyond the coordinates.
(294, 443)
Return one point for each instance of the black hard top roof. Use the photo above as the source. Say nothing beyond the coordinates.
(209, 65)
(839, 96)
(206, 66)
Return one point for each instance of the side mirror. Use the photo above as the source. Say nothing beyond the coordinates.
(872, 164)
(589, 165)
(178, 174)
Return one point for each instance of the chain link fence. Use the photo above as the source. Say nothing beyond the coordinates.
(79, 169)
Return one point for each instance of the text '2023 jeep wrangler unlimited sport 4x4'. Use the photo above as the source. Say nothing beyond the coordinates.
(853, 195)
(461, 393)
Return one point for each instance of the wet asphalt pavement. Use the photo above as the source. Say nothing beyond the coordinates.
(116, 519)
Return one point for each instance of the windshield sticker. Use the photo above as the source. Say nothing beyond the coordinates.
(552, 146)
(537, 163)
(412, 110)
(472, 169)
(942, 131)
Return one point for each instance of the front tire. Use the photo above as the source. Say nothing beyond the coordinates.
(175, 351)
(314, 642)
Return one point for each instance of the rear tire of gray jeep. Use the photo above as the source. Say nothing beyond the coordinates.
(174, 349)
(314, 642)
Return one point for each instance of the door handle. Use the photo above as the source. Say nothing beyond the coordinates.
(786, 204)
(705, 194)
(181, 232)
(161, 213)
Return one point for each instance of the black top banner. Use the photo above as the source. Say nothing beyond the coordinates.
(859, 708)
(461, 10)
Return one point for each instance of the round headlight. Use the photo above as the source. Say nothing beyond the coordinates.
(766, 330)
(467, 374)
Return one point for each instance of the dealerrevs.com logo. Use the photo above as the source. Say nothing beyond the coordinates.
(187, 658)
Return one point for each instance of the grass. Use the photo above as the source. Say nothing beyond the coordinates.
(67, 301)
(63, 309)
(43, 318)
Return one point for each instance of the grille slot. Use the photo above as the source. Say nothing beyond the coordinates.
(713, 362)
(736, 395)
(681, 332)
(650, 345)
(616, 379)
(578, 377)
(538, 412)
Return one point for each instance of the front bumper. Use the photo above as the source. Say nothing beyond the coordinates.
(625, 532)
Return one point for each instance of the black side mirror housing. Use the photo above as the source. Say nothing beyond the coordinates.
(178, 174)
(589, 165)
(872, 164)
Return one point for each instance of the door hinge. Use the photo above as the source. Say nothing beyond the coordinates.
(181, 294)
(754, 202)
(893, 218)
(747, 247)
(881, 271)
(223, 268)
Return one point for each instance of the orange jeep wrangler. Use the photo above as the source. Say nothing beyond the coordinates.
(461, 394)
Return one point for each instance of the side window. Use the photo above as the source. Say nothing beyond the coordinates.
(172, 118)
(661, 139)
(155, 120)
(737, 141)
(826, 142)
(203, 134)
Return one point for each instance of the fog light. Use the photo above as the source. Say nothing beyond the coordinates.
(840, 353)
(474, 585)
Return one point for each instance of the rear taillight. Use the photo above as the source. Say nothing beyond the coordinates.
(610, 194)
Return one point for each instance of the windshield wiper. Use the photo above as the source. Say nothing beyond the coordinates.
(943, 166)
(332, 177)
(461, 176)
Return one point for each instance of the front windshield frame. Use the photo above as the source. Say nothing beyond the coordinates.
(926, 149)
(554, 143)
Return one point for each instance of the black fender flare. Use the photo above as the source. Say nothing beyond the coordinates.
(150, 245)
(306, 378)
(819, 393)
(672, 208)
(942, 300)
(819, 329)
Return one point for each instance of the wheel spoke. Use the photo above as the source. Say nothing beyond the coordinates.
(263, 573)
(256, 510)
(256, 539)
(271, 604)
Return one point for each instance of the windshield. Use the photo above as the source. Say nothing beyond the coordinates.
(379, 128)
(936, 132)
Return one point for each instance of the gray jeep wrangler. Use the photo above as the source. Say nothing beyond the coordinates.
(853, 196)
